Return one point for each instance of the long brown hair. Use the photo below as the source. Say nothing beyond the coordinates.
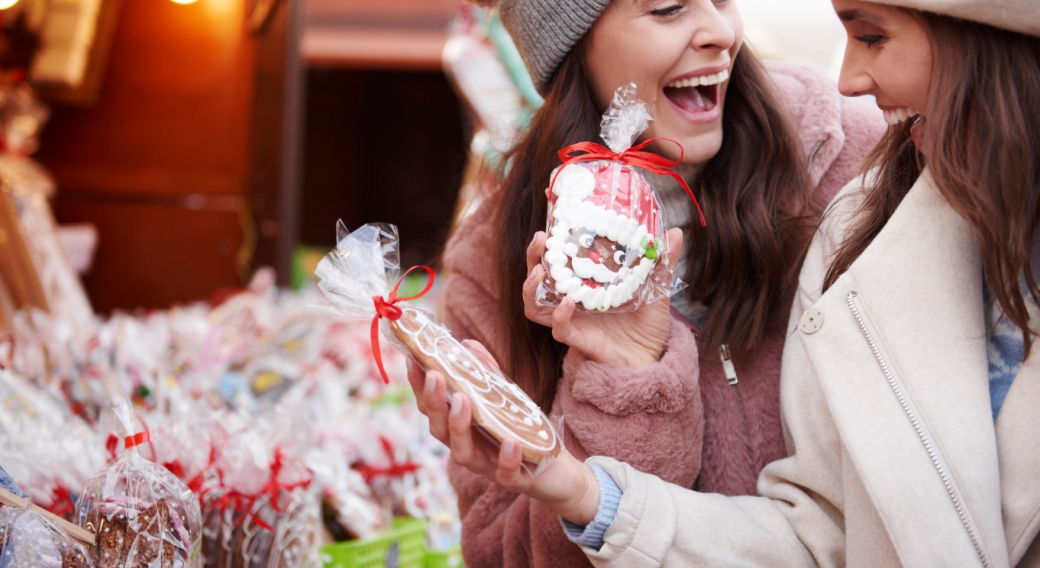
(983, 149)
(754, 194)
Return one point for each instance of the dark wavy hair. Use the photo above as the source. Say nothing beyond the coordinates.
(983, 149)
(755, 196)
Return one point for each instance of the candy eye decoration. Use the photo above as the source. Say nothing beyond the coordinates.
(586, 240)
(619, 257)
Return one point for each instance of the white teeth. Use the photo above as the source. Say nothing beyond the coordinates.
(720, 77)
(898, 116)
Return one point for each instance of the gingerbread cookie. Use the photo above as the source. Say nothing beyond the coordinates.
(132, 539)
(604, 234)
(500, 407)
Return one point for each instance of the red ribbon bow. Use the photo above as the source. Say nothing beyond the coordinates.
(634, 156)
(396, 468)
(385, 308)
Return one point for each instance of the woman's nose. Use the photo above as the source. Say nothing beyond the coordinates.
(713, 30)
(596, 257)
(854, 80)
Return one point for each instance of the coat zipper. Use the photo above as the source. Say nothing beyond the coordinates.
(926, 440)
(731, 377)
(812, 154)
(727, 365)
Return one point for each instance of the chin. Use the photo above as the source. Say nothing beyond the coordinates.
(698, 150)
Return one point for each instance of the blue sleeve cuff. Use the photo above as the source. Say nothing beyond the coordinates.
(7, 483)
(591, 535)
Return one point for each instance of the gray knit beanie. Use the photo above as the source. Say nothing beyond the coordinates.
(545, 31)
(1022, 16)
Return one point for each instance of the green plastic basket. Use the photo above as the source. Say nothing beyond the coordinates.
(403, 546)
(444, 559)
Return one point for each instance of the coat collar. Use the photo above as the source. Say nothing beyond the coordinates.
(917, 293)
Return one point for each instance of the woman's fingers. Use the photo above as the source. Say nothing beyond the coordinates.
(541, 315)
(562, 322)
(465, 451)
(535, 250)
(435, 395)
(510, 473)
(675, 243)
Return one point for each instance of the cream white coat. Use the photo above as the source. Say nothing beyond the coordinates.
(895, 459)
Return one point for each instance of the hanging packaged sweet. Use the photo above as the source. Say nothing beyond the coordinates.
(29, 539)
(356, 277)
(143, 515)
(606, 247)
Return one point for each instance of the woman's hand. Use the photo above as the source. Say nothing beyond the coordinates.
(565, 485)
(623, 339)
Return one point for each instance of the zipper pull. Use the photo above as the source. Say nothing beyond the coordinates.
(727, 365)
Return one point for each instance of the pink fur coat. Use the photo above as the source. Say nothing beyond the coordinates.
(679, 418)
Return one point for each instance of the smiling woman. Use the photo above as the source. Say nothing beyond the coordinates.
(765, 147)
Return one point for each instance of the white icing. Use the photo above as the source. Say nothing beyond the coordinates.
(485, 389)
(574, 181)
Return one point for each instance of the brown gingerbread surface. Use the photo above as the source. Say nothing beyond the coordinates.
(500, 407)
(128, 540)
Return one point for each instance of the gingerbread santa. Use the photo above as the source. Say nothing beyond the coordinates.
(605, 227)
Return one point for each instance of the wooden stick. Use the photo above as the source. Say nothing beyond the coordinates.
(75, 531)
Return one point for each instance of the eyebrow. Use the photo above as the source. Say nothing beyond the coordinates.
(869, 17)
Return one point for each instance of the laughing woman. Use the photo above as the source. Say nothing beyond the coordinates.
(689, 393)
(910, 388)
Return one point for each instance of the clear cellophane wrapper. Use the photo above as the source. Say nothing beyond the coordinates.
(30, 540)
(360, 269)
(261, 510)
(50, 452)
(144, 516)
(606, 246)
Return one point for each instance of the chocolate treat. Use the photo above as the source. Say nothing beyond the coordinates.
(129, 540)
(500, 408)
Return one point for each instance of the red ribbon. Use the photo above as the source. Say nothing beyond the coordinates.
(63, 503)
(634, 156)
(385, 308)
(137, 439)
(245, 503)
(396, 469)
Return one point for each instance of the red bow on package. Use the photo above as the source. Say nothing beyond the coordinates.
(385, 308)
(634, 156)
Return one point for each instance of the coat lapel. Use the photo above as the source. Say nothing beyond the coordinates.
(1018, 443)
(917, 292)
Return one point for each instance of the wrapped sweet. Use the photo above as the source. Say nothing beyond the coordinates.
(356, 277)
(29, 539)
(605, 229)
(261, 510)
(144, 516)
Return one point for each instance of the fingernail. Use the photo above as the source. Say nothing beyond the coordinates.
(431, 384)
(530, 274)
(456, 404)
(508, 447)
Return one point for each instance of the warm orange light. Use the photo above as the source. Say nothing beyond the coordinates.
(5, 4)
(174, 1)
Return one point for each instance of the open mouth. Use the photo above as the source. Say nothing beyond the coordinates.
(697, 94)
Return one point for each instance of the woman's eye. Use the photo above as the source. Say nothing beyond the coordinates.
(619, 257)
(586, 240)
(870, 40)
(665, 12)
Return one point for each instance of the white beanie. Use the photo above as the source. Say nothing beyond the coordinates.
(1021, 16)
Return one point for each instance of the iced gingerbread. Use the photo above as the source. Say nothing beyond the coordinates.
(605, 228)
(355, 278)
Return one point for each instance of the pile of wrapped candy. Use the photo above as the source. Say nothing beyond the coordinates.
(246, 434)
